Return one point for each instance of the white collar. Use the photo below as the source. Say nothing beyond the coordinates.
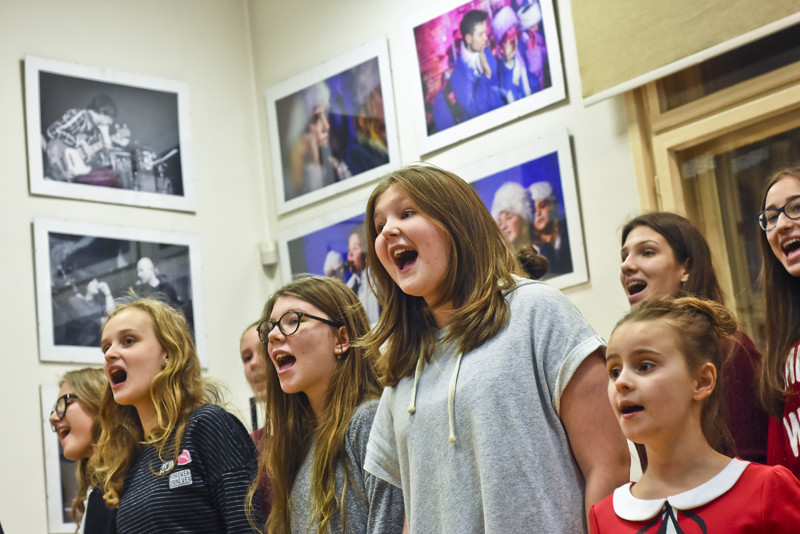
(631, 508)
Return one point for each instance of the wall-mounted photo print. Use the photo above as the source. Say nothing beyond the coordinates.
(60, 478)
(530, 191)
(82, 268)
(332, 128)
(106, 136)
(481, 64)
(335, 246)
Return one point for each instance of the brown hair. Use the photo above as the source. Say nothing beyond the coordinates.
(702, 328)
(354, 381)
(688, 245)
(782, 293)
(481, 264)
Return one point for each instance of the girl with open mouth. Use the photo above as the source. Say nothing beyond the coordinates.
(170, 459)
(322, 393)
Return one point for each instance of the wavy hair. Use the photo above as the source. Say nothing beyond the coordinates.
(176, 391)
(354, 380)
(702, 329)
(688, 245)
(481, 264)
(89, 384)
(782, 292)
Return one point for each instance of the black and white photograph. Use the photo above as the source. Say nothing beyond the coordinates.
(82, 269)
(334, 245)
(530, 191)
(105, 136)
(60, 478)
(333, 127)
(480, 64)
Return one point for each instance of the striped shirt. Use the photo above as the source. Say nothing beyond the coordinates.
(203, 491)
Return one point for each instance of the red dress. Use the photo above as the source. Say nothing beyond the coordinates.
(742, 498)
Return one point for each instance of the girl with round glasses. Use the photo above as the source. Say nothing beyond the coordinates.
(74, 419)
(322, 393)
(170, 459)
(780, 376)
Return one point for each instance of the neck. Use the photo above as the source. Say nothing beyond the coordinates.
(147, 417)
(442, 314)
(678, 466)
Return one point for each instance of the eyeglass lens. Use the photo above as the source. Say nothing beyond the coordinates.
(768, 219)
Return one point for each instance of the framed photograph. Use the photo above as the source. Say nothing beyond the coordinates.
(106, 136)
(481, 64)
(530, 191)
(332, 128)
(333, 245)
(81, 268)
(60, 480)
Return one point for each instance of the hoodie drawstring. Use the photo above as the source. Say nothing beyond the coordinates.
(417, 373)
(451, 394)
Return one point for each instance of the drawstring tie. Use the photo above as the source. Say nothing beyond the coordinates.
(417, 373)
(451, 394)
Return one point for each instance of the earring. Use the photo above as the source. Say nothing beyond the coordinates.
(163, 365)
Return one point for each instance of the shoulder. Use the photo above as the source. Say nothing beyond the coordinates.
(210, 417)
(363, 416)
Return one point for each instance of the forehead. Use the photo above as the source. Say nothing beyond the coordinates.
(287, 303)
(650, 334)
(129, 319)
(65, 388)
(781, 191)
(393, 195)
(354, 240)
(641, 234)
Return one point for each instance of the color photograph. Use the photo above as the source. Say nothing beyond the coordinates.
(530, 192)
(332, 128)
(481, 64)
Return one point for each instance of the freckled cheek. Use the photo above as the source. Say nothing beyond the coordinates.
(383, 252)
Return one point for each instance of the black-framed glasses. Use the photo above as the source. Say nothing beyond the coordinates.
(60, 406)
(288, 324)
(768, 219)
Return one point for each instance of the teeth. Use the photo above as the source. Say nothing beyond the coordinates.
(281, 357)
(399, 252)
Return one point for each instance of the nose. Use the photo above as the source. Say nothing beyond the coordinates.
(628, 264)
(324, 124)
(274, 335)
(53, 419)
(783, 221)
(623, 381)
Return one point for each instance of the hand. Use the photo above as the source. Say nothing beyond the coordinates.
(487, 70)
(122, 135)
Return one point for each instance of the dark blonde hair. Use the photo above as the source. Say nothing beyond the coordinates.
(702, 328)
(354, 380)
(176, 391)
(481, 264)
(782, 293)
(89, 384)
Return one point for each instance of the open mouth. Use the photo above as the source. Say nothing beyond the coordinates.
(285, 361)
(62, 433)
(633, 408)
(790, 246)
(403, 257)
(635, 286)
(117, 376)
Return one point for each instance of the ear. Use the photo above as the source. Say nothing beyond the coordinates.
(705, 381)
(342, 341)
(685, 273)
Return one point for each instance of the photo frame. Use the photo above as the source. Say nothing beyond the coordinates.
(61, 482)
(332, 128)
(331, 245)
(531, 192)
(451, 100)
(81, 268)
(107, 136)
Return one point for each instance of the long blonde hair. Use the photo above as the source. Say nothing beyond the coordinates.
(480, 269)
(176, 391)
(89, 385)
(354, 380)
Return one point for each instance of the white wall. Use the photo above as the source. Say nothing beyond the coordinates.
(204, 43)
(229, 52)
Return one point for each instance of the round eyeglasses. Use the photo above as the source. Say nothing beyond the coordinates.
(288, 324)
(768, 219)
(60, 407)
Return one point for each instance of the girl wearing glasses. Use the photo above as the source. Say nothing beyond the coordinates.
(74, 419)
(322, 392)
(496, 417)
(780, 376)
(665, 256)
(169, 458)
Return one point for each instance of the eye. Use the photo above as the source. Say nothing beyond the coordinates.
(646, 366)
(406, 214)
(104, 348)
(613, 373)
(247, 357)
(793, 208)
